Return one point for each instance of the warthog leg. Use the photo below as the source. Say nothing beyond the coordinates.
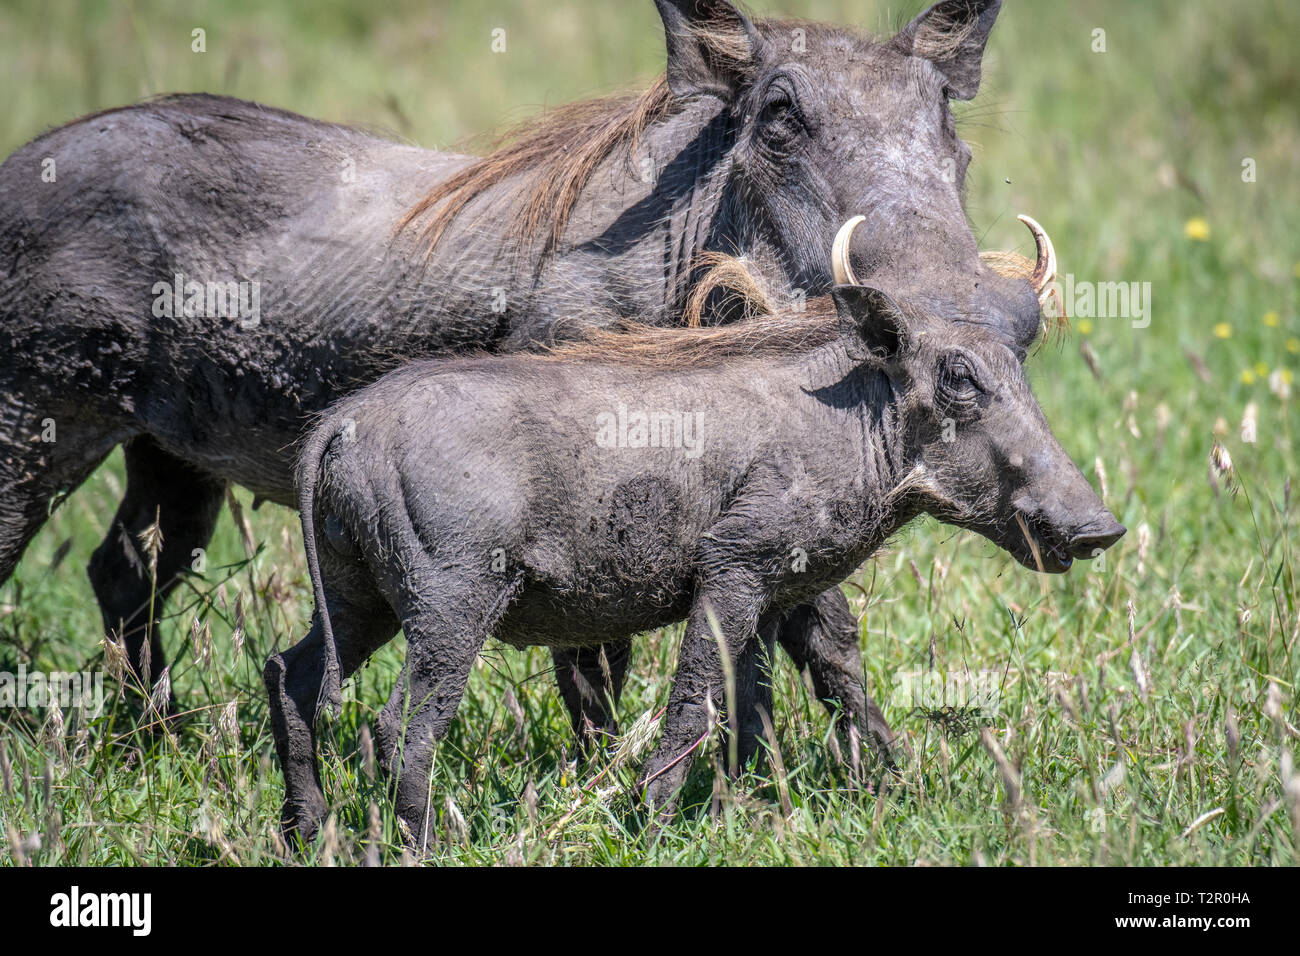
(38, 467)
(823, 638)
(700, 687)
(447, 616)
(753, 694)
(362, 622)
(185, 502)
(590, 681)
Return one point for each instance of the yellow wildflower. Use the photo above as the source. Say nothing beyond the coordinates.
(1223, 330)
(1197, 228)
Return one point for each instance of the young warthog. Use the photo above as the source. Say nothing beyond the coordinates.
(720, 475)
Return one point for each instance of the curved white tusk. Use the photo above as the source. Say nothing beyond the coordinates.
(1045, 268)
(841, 271)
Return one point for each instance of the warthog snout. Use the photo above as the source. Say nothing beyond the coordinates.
(1055, 537)
(1091, 541)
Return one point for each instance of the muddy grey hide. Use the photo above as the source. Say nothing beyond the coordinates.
(204, 274)
(462, 498)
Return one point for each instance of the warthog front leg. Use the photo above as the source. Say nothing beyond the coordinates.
(753, 694)
(823, 637)
(590, 681)
(700, 686)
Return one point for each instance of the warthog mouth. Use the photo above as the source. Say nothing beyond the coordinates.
(1041, 544)
(1026, 537)
(1040, 548)
(1036, 545)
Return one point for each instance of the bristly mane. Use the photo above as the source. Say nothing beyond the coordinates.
(676, 347)
(761, 327)
(727, 286)
(560, 152)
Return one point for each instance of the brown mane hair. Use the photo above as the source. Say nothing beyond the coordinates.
(732, 283)
(563, 148)
(561, 151)
(763, 330)
(683, 347)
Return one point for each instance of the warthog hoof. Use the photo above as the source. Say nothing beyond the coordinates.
(300, 823)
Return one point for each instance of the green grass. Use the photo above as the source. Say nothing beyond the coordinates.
(1114, 152)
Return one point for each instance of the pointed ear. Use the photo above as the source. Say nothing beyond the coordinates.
(871, 321)
(712, 47)
(952, 35)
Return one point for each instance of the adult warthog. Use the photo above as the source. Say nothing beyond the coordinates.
(821, 433)
(205, 274)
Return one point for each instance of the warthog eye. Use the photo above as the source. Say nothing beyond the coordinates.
(959, 390)
(780, 119)
(778, 109)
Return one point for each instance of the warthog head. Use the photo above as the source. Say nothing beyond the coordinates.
(829, 124)
(969, 435)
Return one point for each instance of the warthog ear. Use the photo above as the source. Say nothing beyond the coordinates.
(712, 47)
(952, 35)
(871, 321)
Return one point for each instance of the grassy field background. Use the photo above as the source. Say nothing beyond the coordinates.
(1135, 698)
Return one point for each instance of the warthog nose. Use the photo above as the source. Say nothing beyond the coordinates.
(1090, 542)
